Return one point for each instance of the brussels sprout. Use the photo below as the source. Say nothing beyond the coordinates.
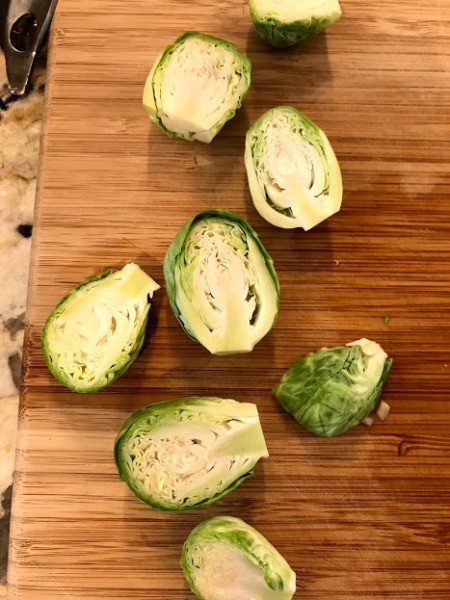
(188, 453)
(221, 282)
(196, 85)
(226, 559)
(292, 171)
(96, 332)
(283, 23)
(331, 390)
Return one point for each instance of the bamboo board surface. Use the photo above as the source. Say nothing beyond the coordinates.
(364, 516)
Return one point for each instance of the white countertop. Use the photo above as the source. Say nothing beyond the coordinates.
(20, 127)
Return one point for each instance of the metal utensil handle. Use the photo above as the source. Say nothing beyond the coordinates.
(27, 22)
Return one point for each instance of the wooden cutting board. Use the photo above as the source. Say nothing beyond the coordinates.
(363, 516)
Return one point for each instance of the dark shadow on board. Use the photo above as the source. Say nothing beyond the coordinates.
(287, 75)
(4, 534)
(196, 161)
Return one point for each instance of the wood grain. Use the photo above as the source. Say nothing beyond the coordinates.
(364, 516)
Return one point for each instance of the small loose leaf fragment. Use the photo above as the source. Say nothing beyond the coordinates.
(383, 410)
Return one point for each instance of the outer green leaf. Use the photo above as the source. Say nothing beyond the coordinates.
(96, 331)
(224, 558)
(293, 174)
(189, 453)
(196, 85)
(221, 282)
(283, 23)
(333, 389)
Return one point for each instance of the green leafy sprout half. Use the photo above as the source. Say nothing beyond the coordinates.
(189, 453)
(283, 23)
(96, 332)
(293, 174)
(224, 558)
(196, 85)
(221, 282)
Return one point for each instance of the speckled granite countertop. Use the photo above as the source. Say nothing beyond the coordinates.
(20, 127)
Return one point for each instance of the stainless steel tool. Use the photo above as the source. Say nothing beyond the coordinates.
(25, 23)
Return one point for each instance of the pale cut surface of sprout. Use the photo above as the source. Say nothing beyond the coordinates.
(196, 85)
(333, 389)
(181, 454)
(293, 174)
(98, 329)
(225, 558)
(293, 10)
(224, 287)
(227, 573)
(283, 23)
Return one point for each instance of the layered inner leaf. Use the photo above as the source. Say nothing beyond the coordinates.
(227, 297)
(292, 167)
(190, 457)
(196, 84)
(98, 325)
(225, 558)
(223, 572)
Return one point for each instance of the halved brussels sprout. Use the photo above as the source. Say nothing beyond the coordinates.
(188, 453)
(283, 23)
(224, 558)
(221, 282)
(196, 85)
(96, 332)
(333, 389)
(292, 171)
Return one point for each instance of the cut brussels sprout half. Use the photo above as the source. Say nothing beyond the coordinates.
(221, 282)
(196, 85)
(333, 389)
(96, 332)
(293, 174)
(224, 558)
(188, 453)
(283, 23)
